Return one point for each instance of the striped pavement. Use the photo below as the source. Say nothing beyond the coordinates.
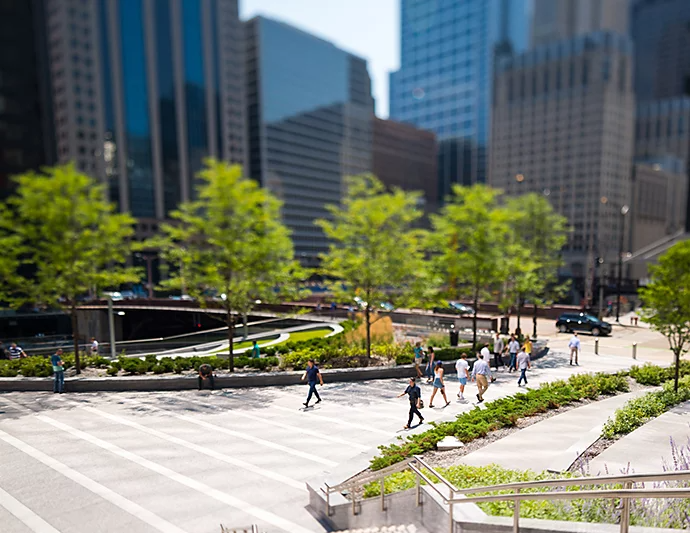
(187, 462)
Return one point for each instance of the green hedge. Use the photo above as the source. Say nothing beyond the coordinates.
(504, 412)
(650, 374)
(641, 410)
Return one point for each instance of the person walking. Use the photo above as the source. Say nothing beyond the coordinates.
(524, 364)
(430, 365)
(58, 372)
(438, 384)
(3, 352)
(313, 376)
(256, 352)
(499, 348)
(462, 367)
(418, 359)
(513, 348)
(527, 345)
(482, 374)
(574, 346)
(16, 352)
(415, 395)
(94, 346)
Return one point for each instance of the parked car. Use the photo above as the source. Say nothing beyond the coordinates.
(582, 322)
(115, 296)
(455, 308)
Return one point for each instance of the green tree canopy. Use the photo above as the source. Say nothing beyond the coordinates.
(63, 239)
(666, 300)
(375, 253)
(229, 245)
(469, 242)
(539, 234)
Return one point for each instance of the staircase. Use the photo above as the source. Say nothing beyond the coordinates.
(386, 529)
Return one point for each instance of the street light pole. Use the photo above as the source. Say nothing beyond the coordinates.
(624, 211)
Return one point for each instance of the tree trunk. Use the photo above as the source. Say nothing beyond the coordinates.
(474, 320)
(534, 321)
(367, 322)
(518, 330)
(75, 337)
(230, 321)
(677, 373)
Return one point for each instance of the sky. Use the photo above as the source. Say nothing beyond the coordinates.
(367, 28)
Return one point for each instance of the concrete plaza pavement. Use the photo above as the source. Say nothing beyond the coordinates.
(190, 461)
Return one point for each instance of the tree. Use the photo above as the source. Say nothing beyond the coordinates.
(375, 254)
(63, 238)
(229, 245)
(469, 244)
(666, 300)
(540, 234)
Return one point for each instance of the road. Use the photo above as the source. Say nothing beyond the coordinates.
(191, 461)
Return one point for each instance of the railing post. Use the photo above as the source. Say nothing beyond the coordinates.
(625, 509)
(354, 500)
(596, 346)
(450, 516)
(328, 501)
(516, 513)
(383, 495)
(634, 350)
(419, 490)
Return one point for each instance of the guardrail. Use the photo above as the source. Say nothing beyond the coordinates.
(450, 495)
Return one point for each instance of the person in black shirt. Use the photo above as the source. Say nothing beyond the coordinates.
(415, 394)
(3, 352)
(313, 376)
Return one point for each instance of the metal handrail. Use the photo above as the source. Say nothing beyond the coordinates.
(625, 494)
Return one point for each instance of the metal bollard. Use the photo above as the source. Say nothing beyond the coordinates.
(634, 350)
(596, 346)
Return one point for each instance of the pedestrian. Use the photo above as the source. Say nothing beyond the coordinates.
(415, 395)
(58, 372)
(313, 376)
(206, 374)
(438, 384)
(94, 346)
(16, 352)
(528, 346)
(3, 352)
(524, 364)
(418, 359)
(430, 365)
(482, 373)
(256, 352)
(574, 346)
(462, 367)
(499, 348)
(513, 347)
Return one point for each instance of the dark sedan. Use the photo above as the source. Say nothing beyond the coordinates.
(582, 322)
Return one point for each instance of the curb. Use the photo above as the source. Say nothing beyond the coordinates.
(258, 379)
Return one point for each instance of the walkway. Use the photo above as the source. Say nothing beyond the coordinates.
(552, 444)
(648, 448)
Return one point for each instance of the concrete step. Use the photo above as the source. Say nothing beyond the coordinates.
(387, 529)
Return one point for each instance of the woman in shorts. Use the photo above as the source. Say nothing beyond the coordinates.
(438, 384)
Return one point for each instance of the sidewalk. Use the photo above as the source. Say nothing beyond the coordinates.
(553, 444)
(647, 448)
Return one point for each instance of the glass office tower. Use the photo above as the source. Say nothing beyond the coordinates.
(144, 90)
(310, 114)
(448, 51)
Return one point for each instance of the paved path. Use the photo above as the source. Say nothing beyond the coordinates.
(553, 444)
(648, 448)
(190, 461)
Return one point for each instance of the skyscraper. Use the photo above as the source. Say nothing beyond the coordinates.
(310, 114)
(26, 136)
(563, 126)
(143, 90)
(445, 81)
(555, 20)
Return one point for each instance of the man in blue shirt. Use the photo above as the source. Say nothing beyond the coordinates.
(415, 394)
(313, 376)
(58, 371)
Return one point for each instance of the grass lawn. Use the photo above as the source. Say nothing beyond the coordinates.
(309, 334)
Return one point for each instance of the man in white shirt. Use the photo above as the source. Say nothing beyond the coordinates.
(94, 346)
(574, 346)
(462, 367)
(482, 373)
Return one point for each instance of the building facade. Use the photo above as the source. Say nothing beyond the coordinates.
(143, 90)
(26, 131)
(563, 126)
(557, 20)
(444, 84)
(404, 156)
(662, 48)
(310, 114)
